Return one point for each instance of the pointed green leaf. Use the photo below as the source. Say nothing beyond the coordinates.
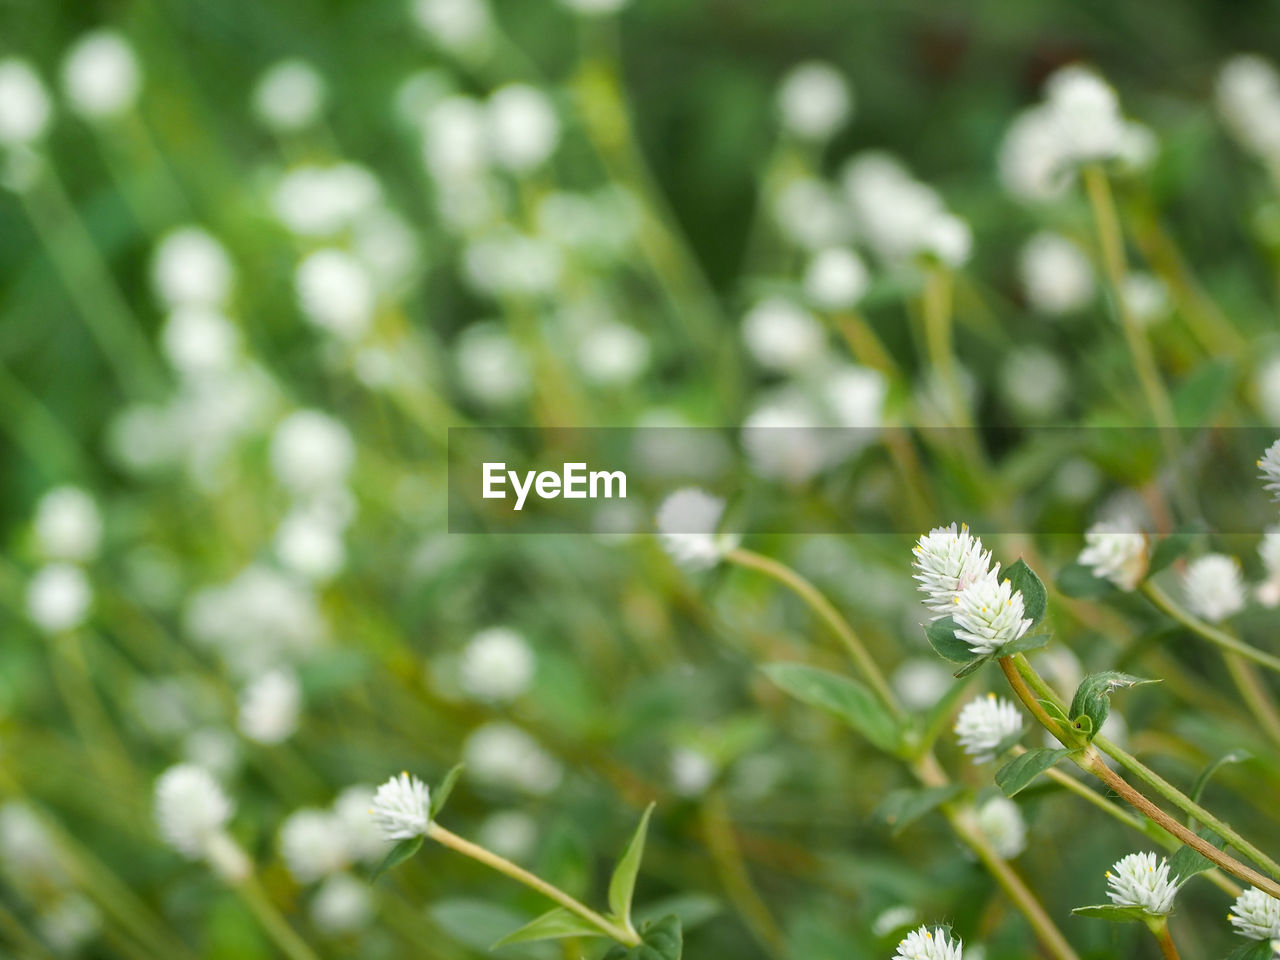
(1235, 756)
(1077, 580)
(1113, 912)
(1018, 773)
(661, 941)
(440, 795)
(901, 808)
(552, 925)
(942, 637)
(623, 882)
(1252, 950)
(1187, 862)
(1035, 601)
(1093, 698)
(970, 667)
(846, 698)
(1033, 639)
(398, 854)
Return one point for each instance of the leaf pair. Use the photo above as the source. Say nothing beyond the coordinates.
(1092, 701)
(942, 637)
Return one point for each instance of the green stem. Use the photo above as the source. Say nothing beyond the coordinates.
(734, 876)
(1160, 930)
(504, 866)
(277, 928)
(1218, 637)
(937, 331)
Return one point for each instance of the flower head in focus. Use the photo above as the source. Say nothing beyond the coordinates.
(923, 944)
(401, 807)
(989, 613)
(1115, 552)
(947, 560)
(1140, 880)
(984, 723)
(1256, 915)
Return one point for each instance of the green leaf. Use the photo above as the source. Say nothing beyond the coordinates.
(693, 909)
(1033, 639)
(903, 807)
(1055, 712)
(622, 884)
(942, 637)
(970, 667)
(440, 795)
(1252, 950)
(661, 941)
(552, 925)
(1077, 580)
(1113, 912)
(1235, 756)
(1093, 698)
(1018, 773)
(398, 854)
(1187, 862)
(1199, 396)
(1035, 601)
(846, 698)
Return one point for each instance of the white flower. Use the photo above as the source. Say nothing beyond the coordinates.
(454, 24)
(26, 845)
(835, 279)
(289, 96)
(1115, 551)
(810, 214)
(309, 542)
(311, 452)
(24, 105)
(190, 267)
(1270, 467)
(497, 665)
(1268, 592)
(1056, 274)
(270, 706)
(1087, 114)
(190, 808)
(595, 8)
(523, 127)
(1140, 880)
(510, 833)
(946, 561)
(343, 904)
(899, 216)
(780, 335)
(686, 522)
(988, 613)
(1001, 822)
(58, 597)
(921, 682)
(814, 101)
(921, 944)
(319, 201)
(1266, 383)
(312, 844)
(984, 723)
(68, 525)
(1256, 915)
(402, 807)
(613, 354)
(70, 924)
(336, 293)
(691, 771)
(1035, 382)
(1145, 297)
(491, 366)
(946, 237)
(361, 835)
(505, 261)
(455, 139)
(503, 755)
(1248, 97)
(198, 339)
(100, 75)
(893, 918)
(1213, 587)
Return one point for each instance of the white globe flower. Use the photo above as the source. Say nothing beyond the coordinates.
(497, 665)
(289, 96)
(191, 809)
(814, 101)
(190, 267)
(1115, 551)
(457, 25)
(58, 598)
(810, 214)
(780, 335)
(402, 807)
(984, 723)
(342, 905)
(1214, 587)
(455, 140)
(312, 844)
(1248, 98)
(989, 613)
(320, 201)
(523, 127)
(613, 354)
(1269, 465)
(1146, 298)
(491, 366)
(24, 105)
(311, 452)
(199, 340)
(947, 560)
(687, 520)
(502, 755)
(68, 525)
(924, 944)
(336, 293)
(836, 279)
(309, 543)
(100, 75)
(1086, 112)
(362, 836)
(1056, 275)
(1256, 915)
(1140, 880)
(1001, 822)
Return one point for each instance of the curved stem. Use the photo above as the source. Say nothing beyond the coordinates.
(478, 853)
(1160, 930)
(734, 876)
(1215, 635)
(284, 936)
(829, 615)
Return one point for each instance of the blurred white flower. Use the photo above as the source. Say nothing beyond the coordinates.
(497, 665)
(946, 561)
(835, 279)
(58, 597)
(855, 399)
(190, 267)
(613, 354)
(385, 242)
(25, 109)
(894, 918)
(319, 201)
(1248, 98)
(213, 748)
(1268, 592)
(100, 75)
(1256, 915)
(781, 335)
(269, 707)
(1145, 297)
(455, 139)
(491, 367)
(692, 771)
(289, 96)
(523, 127)
(984, 723)
(311, 452)
(922, 944)
(401, 807)
(1087, 113)
(989, 613)
(814, 100)
(1056, 275)
(69, 924)
(361, 834)
(342, 905)
(27, 849)
(810, 214)
(1269, 465)
(595, 7)
(1142, 880)
(312, 844)
(505, 261)
(1115, 551)
(686, 521)
(68, 525)
(1213, 587)
(1035, 382)
(336, 293)
(199, 339)
(898, 216)
(509, 833)
(309, 543)
(458, 25)
(503, 755)
(1266, 384)
(191, 809)
(920, 682)
(1001, 822)
(948, 238)
(785, 437)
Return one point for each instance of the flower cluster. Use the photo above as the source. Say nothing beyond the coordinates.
(926, 944)
(1140, 880)
(984, 723)
(1256, 915)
